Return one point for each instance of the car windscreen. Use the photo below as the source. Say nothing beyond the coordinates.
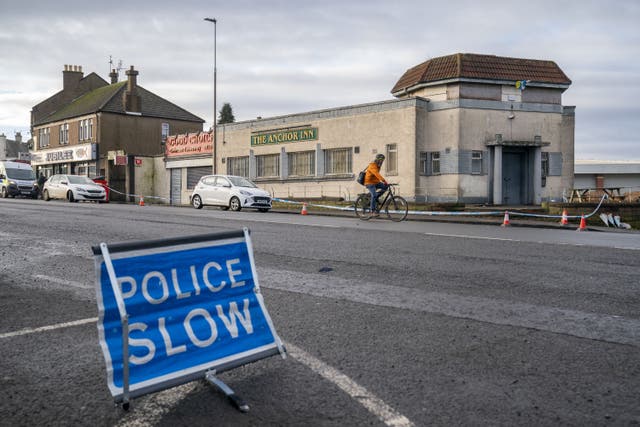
(239, 181)
(26, 174)
(74, 179)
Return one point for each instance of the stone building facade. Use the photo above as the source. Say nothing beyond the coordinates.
(463, 128)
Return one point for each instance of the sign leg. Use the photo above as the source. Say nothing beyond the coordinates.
(236, 400)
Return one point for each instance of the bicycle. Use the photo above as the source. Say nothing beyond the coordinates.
(395, 207)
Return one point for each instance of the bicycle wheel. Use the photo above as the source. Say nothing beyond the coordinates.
(396, 208)
(362, 207)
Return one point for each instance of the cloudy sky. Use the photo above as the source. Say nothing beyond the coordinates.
(282, 57)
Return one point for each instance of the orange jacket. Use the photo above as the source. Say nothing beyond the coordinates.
(373, 176)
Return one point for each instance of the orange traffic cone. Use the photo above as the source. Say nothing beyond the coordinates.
(304, 209)
(141, 201)
(583, 224)
(505, 222)
(564, 220)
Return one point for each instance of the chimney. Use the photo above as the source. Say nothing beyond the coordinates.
(18, 137)
(114, 76)
(71, 77)
(130, 98)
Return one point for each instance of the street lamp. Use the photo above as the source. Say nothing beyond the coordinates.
(215, 106)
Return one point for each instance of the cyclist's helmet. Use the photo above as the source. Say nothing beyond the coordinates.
(379, 157)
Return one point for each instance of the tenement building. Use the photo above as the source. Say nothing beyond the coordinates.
(463, 128)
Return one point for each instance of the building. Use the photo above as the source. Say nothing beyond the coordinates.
(13, 149)
(599, 174)
(463, 128)
(92, 128)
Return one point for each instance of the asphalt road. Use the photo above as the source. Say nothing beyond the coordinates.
(413, 323)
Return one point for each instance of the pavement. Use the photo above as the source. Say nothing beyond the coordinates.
(515, 220)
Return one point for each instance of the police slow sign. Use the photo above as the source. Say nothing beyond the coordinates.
(187, 305)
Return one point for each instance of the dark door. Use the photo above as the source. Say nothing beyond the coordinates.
(512, 178)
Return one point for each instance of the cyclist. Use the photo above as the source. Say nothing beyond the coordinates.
(374, 182)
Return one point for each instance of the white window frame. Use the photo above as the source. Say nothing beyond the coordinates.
(391, 162)
(301, 163)
(338, 161)
(268, 166)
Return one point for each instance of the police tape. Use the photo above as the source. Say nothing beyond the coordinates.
(453, 213)
(139, 196)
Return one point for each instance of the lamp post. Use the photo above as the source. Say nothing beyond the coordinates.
(215, 106)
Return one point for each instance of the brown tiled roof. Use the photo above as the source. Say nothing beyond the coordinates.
(109, 99)
(485, 67)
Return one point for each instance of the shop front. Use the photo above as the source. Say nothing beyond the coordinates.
(77, 160)
(188, 157)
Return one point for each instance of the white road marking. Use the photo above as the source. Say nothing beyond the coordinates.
(48, 328)
(63, 281)
(372, 403)
(153, 408)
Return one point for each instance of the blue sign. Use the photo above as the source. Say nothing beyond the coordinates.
(192, 304)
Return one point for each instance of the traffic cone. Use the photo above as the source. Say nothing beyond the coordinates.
(505, 222)
(564, 220)
(304, 209)
(141, 201)
(583, 224)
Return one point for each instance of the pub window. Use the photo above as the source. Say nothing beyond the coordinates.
(338, 161)
(476, 162)
(302, 163)
(238, 166)
(435, 162)
(424, 163)
(268, 166)
(544, 160)
(392, 159)
(90, 130)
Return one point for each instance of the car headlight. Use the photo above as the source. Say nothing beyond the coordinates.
(245, 193)
(12, 183)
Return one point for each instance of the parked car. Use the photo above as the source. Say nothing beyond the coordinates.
(229, 192)
(73, 188)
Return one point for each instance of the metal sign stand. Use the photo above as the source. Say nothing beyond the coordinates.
(235, 400)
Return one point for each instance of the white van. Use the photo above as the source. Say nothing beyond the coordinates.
(17, 179)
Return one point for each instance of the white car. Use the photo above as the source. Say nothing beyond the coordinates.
(229, 192)
(73, 188)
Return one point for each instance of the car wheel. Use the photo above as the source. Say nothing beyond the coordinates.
(45, 196)
(70, 197)
(196, 202)
(4, 193)
(234, 204)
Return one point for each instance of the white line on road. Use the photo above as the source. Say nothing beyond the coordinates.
(152, 409)
(372, 403)
(48, 328)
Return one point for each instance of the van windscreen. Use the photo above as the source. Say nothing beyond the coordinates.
(26, 174)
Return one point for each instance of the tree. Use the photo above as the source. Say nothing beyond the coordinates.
(226, 114)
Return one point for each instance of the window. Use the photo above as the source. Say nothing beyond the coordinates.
(268, 165)
(85, 129)
(424, 163)
(64, 134)
(302, 163)
(392, 159)
(476, 162)
(338, 161)
(238, 166)
(43, 137)
(435, 163)
(544, 160)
